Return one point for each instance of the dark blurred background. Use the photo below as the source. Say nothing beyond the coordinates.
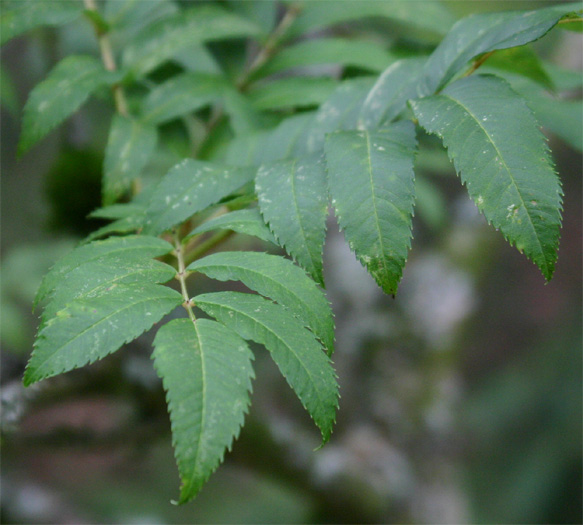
(461, 398)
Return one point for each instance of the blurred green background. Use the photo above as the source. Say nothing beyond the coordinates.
(461, 398)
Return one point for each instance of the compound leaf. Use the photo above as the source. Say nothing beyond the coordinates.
(276, 278)
(293, 201)
(88, 329)
(59, 95)
(130, 146)
(248, 222)
(189, 187)
(180, 95)
(294, 349)
(162, 39)
(484, 32)
(19, 17)
(371, 182)
(502, 158)
(206, 371)
(131, 247)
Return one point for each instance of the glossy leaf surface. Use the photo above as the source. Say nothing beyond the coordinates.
(19, 17)
(294, 349)
(181, 95)
(130, 145)
(206, 371)
(276, 278)
(502, 158)
(371, 181)
(188, 188)
(162, 39)
(92, 278)
(59, 95)
(484, 32)
(247, 221)
(129, 248)
(88, 329)
(355, 53)
(294, 202)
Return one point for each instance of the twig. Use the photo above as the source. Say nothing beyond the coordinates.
(108, 61)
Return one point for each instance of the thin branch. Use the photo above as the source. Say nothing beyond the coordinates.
(263, 56)
(108, 61)
(270, 46)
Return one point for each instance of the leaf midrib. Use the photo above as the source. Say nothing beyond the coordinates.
(297, 211)
(276, 335)
(273, 281)
(101, 320)
(65, 272)
(374, 204)
(502, 158)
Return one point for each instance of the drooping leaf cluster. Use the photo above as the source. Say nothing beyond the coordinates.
(305, 120)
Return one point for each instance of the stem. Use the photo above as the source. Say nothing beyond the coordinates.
(477, 63)
(569, 20)
(270, 46)
(109, 62)
(263, 56)
(181, 276)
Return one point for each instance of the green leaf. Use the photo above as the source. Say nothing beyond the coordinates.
(162, 39)
(355, 53)
(276, 278)
(388, 97)
(117, 211)
(88, 329)
(484, 32)
(524, 61)
(131, 247)
(371, 182)
(294, 202)
(130, 146)
(502, 158)
(189, 187)
(292, 92)
(559, 115)
(92, 278)
(206, 371)
(66, 87)
(294, 349)
(19, 17)
(248, 222)
(127, 16)
(129, 217)
(340, 111)
(284, 141)
(244, 118)
(180, 95)
(316, 15)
